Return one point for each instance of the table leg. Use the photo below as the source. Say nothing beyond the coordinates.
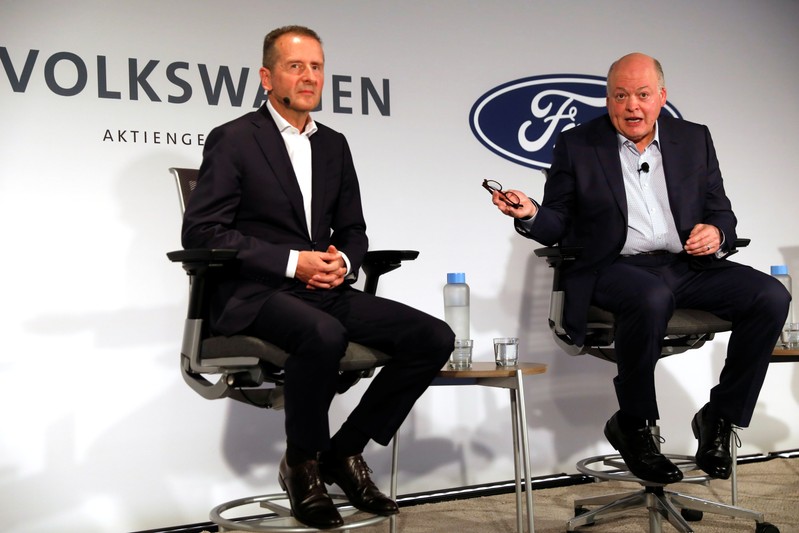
(517, 466)
(522, 414)
(392, 521)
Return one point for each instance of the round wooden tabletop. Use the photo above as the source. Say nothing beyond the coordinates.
(485, 369)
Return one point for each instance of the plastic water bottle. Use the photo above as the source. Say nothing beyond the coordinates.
(456, 304)
(781, 273)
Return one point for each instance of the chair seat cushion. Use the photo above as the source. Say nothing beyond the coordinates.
(683, 321)
(357, 357)
(694, 321)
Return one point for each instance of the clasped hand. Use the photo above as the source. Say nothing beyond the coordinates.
(321, 270)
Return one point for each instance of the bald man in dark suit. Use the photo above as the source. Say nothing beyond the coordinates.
(642, 194)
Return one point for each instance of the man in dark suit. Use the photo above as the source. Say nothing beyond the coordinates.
(282, 190)
(643, 196)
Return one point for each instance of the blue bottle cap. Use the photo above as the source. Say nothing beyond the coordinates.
(456, 277)
(778, 269)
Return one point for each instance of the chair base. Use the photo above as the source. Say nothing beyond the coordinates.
(280, 519)
(678, 509)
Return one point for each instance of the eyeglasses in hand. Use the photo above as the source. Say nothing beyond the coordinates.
(508, 197)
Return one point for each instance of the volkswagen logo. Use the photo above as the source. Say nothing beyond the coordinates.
(520, 120)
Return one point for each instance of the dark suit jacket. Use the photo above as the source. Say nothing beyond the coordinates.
(247, 198)
(585, 205)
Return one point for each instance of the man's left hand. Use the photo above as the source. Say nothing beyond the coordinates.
(703, 240)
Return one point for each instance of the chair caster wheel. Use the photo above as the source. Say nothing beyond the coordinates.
(691, 515)
(581, 511)
(765, 527)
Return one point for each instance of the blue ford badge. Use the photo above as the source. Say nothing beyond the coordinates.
(520, 120)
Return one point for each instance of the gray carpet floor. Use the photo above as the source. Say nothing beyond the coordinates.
(770, 487)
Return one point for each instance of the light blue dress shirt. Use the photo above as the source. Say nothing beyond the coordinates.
(650, 223)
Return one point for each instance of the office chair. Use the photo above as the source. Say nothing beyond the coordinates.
(688, 329)
(249, 370)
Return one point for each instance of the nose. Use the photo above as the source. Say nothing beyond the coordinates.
(311, 74)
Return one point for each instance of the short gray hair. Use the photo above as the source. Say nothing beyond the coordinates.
(270, 52)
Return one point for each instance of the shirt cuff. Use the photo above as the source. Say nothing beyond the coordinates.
(291, 266)
(721, 253)
(348, 275)
(527, 223)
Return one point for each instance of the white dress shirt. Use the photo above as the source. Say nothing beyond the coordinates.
(298, 145)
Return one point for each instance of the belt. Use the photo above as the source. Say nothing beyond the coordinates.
(653, 252)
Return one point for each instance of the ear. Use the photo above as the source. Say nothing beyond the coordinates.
(663, 96)
(266, 78)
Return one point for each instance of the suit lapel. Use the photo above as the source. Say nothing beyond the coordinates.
(672, 169)
(607, 151)
(318, 180)
(277, 158)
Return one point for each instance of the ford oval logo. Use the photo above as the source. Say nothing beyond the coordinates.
(520, 120)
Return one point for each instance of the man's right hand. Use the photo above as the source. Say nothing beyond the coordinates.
(527, 209)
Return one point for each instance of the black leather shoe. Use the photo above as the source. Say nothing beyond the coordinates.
(637, 448)
(713, 454)
(352, 475)
(310, 503)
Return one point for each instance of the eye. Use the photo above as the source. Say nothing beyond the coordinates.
(643, 96)
(620, 97)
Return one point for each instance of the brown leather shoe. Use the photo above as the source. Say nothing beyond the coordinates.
(310, 502)
(352, 475)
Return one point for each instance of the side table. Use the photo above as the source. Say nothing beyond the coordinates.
(785, 355)
(487, 374)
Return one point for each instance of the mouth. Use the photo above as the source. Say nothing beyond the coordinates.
(633, 121)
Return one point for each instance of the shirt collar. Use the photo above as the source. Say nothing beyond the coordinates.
(284, 126)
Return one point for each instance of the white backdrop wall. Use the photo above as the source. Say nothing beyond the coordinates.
(98, 431)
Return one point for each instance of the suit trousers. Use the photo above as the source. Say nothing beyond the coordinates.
(314, 327)
(643, 291)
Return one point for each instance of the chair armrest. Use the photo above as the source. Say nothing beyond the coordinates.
(379, 262)
(198, 264)
(557, 255)
(196, 259)
(202, 254)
